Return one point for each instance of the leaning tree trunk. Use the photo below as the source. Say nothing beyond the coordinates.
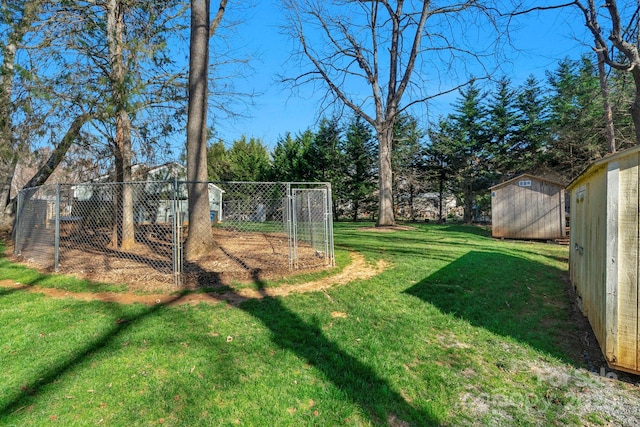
(199, 239)
(58, 154)
(385, 178)
(7, 169)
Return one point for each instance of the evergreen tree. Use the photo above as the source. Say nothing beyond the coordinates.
(325, 151)
(532, 131)
(504, 151)
(248, 160)
(218, 163)
(327, 157)
(406, 165)
(293, 158)
(471, 156)
(440, 160)
(359, 150)
(576, 125)
(621, 95)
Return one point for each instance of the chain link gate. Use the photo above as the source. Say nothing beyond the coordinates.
(312, 224)
(136, 231)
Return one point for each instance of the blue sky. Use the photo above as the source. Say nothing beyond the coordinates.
(540, 39)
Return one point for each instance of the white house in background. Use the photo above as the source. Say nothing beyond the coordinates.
(154, 201)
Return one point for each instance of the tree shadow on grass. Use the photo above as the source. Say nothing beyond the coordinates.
(31, 390)
(359, 382)
(509, 296)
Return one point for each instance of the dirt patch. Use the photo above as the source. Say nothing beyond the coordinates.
(358, 269)
(148, 265)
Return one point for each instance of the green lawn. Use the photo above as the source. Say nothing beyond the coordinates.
(460, 329)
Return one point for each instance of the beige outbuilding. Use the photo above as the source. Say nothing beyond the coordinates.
(528, 207)
(603, 258)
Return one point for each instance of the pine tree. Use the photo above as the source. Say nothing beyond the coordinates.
(504, 155)
(532, 131)
(359, 150)
(576, 125)
(406, 164)
(471, 155)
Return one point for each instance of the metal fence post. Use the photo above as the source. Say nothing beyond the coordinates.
(177, 255)
(329, 226)
(56, 238)
(18, 226)
(289, 214)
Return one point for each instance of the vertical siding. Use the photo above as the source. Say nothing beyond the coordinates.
(604, 254)
(588, 249)
(497, 212)
(595, 253)
(627, 353)
(611, 262)
(535, 212)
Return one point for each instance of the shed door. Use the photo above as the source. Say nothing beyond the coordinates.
(578, 225)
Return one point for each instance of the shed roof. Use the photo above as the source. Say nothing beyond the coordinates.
(601, 162)
(529, 176)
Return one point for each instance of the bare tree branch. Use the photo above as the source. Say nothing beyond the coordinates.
(375, 46)
(215, 23)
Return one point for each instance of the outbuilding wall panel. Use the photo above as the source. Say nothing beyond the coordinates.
(604, 254)
(534, 211)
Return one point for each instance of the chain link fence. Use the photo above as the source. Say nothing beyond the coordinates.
(135, 232)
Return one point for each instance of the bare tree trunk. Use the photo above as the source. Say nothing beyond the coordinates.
(385, 178)
(7, 169)
(440, 195)
(627, 56)
(199, 239)
(8, 148)
(123, 234)
(411, 202)
(8, 154)
(468, 207)
(609, 130)
(635, 107)
(124, 231)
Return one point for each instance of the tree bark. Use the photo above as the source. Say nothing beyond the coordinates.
(8, 145)
(7, 170)
(609, 129)
(385, 178)
(199, 239)
(123, 232)
(626, 59)
(635, 107)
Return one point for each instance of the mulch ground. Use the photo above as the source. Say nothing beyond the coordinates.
(357, 269)
(240, 257)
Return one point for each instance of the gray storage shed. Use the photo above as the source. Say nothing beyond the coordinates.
(528, 207)
(604, 254)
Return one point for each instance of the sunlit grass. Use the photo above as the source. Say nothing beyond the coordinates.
(455, 331)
